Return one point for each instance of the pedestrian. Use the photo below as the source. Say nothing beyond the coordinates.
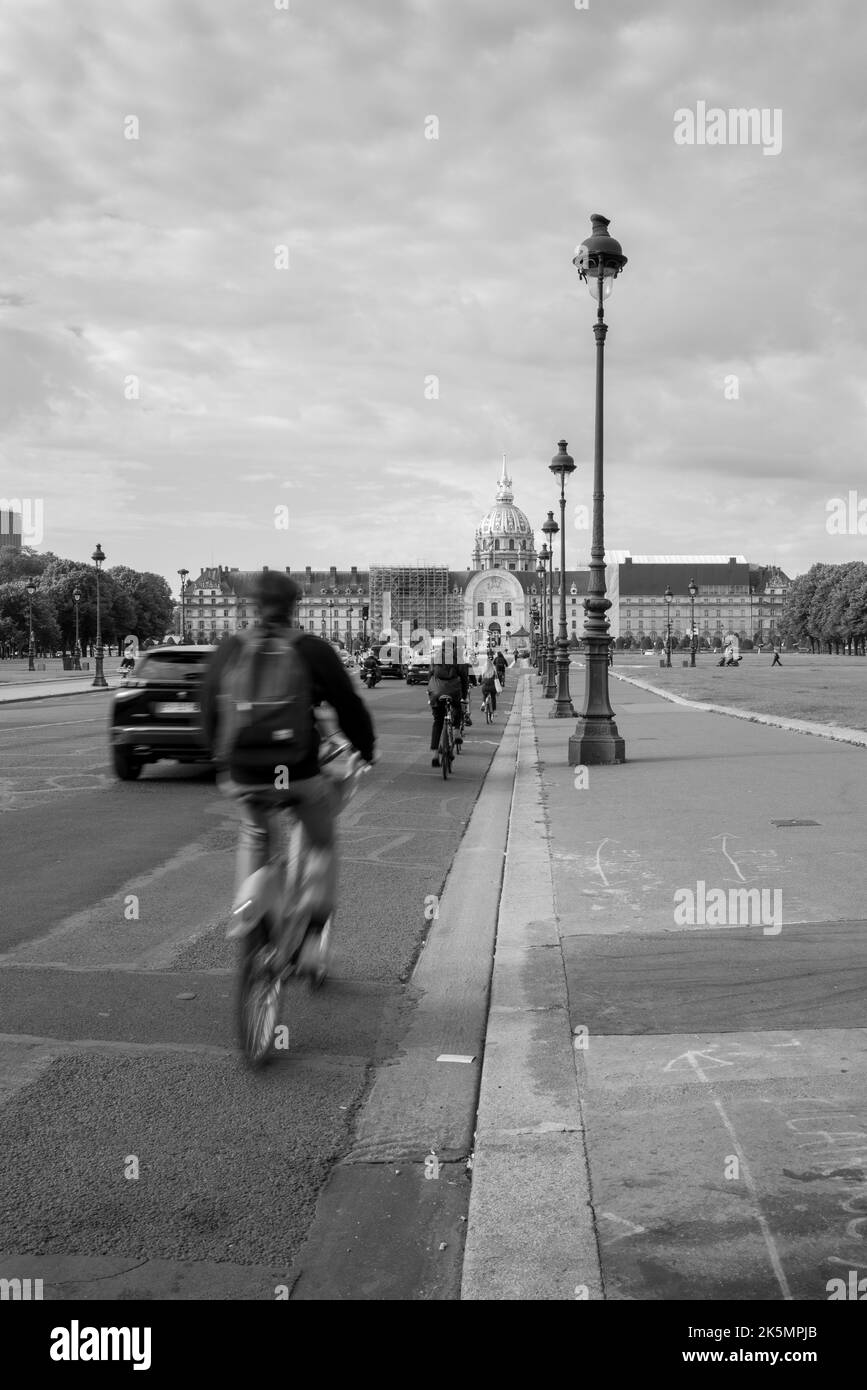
(776, 661)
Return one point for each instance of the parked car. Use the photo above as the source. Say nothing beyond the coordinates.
(394, 661)
(418, 672)
(156, 714)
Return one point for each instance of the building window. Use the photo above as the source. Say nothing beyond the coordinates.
(495, 610)
(508, 610)
(480, 610)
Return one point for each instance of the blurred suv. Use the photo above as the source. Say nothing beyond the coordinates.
(157, 713)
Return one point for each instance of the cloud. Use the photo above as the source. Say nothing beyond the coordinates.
(156, 259)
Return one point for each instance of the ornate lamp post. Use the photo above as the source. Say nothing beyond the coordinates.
(541, 575)
(331, 619)
(76, 599)
(550, 528)
(561, 466)
(693, 590)
(599, 260)
(31, 590)
(99, 680)
(668, 596)
(349, 612)
(534, 623)
(183, 577)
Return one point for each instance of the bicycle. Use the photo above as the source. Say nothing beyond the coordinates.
(274, 944)
(446, 749)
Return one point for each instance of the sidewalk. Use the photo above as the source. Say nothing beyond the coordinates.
(71, 684)
(675, 1106)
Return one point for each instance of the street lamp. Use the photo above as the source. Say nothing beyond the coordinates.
(76, 599)
(31, 590)
(550, 529)
(541, 574)
(349, 613)
(534, 623)
(331, 619)
(599, 260)
(562, 465)
(183, 577)
(99, 680)
(668, 596)
(693, 590)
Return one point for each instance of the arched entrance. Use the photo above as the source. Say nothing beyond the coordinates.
(494, 634)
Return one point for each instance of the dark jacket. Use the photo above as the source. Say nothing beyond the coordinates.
(331, 683)
(500, 663)
(449, 680)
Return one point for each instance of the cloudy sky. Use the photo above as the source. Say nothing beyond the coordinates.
(169, 383)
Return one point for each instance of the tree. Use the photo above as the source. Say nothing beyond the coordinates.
(149, 598)
(15, 612)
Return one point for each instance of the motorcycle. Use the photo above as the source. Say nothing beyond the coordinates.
(371, 677)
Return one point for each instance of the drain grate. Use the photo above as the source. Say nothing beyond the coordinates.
(784, 824)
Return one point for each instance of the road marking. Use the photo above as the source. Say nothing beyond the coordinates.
(770, 1244)
(728, 856)
(633, 1229)
(599, 864)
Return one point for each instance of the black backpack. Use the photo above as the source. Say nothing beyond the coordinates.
(265, 706)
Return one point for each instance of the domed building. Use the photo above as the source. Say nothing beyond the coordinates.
(504, 538)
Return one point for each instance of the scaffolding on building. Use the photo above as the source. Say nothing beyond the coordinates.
(403, 597)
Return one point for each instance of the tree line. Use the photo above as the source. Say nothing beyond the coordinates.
(827, 608)
(131, 602)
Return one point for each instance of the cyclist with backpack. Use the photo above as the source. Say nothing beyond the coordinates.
(258, 701)
(448, 677)
(489, 684)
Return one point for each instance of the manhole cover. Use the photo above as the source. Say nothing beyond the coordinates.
(784, 824)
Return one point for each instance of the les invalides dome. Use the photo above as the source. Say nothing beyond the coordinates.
(504, 538)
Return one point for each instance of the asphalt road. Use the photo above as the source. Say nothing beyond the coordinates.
(140, 1158)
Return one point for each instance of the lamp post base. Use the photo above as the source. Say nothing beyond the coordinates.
(595, 743)
(562, 709)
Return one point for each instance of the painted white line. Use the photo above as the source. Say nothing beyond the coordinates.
(729, 858)
(454, 1057)
(599, 864)
(770, 1243)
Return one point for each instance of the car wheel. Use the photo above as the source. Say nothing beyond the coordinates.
(126, 765)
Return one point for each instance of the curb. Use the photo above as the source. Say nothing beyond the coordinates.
(795, 726)
(56, 695)
(531, 1231)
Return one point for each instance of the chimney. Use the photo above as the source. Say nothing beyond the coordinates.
(354, 574)
(309, 574)
(288, 569)
(732, 560)
(333, 573)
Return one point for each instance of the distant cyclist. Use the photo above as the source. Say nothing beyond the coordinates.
(453, 680)
(489, 683)
(258, 700)
(500, 664)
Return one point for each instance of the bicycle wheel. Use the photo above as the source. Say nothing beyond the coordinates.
(443, 751)
(258, 994)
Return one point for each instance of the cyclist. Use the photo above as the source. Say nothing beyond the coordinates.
(500, 665)
(452, 679)
(489, 683)
(248, 773)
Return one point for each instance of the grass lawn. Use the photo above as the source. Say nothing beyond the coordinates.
(824, 689)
